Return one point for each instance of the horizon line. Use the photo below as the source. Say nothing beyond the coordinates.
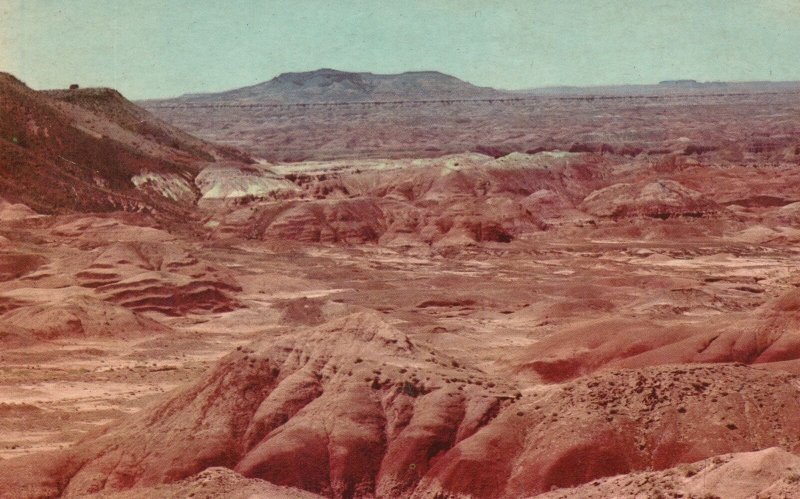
(510, 90)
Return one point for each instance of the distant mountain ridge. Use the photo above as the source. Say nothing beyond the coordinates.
(664, 87)
(330, 85)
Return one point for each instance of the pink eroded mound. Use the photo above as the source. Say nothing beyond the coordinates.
(354, 408)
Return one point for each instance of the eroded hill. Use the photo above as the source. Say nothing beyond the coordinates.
(91, 150)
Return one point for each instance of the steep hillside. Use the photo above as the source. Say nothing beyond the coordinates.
(148, 132)
(771, 472)
(355, 408)
(94, 151)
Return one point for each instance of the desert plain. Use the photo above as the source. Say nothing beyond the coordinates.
(583, 294)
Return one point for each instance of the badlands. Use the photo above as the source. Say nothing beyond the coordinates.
(606, 304)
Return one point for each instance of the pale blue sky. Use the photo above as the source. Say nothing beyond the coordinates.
(158, 48)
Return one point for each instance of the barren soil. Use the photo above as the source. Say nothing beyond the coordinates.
(573, 324)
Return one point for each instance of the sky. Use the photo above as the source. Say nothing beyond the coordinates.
(164, 48)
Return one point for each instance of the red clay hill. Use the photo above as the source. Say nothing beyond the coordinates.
(87, 149)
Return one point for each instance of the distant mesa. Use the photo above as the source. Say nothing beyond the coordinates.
(693, 83)
(331, 85)
(679, 82)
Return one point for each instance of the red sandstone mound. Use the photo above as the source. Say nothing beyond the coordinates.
(331, 221)
(77, 317)
(97, 152)
(585, 347)
(491, 220)
(788, 214)
(659, 199)
(353, 408)
(14, 264)
(766, 473)
(98, 231)
(150, 133)
(456, 200)
(777, 336)
(170, 294)
(141, 268)
(617, 422)
(350, 408)
(768, 337)
(160, 277)
(461, 175)
(366, 220)
(144, 270)
(308, 311)
(212, 482)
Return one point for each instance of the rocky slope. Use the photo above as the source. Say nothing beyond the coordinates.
(451, 201)
(767, 473)
(354, 408)
(100, 277)
(659, 199)
(765, 336)
(91, 150)
(212, 482)
(336, 399)
(146, 132)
